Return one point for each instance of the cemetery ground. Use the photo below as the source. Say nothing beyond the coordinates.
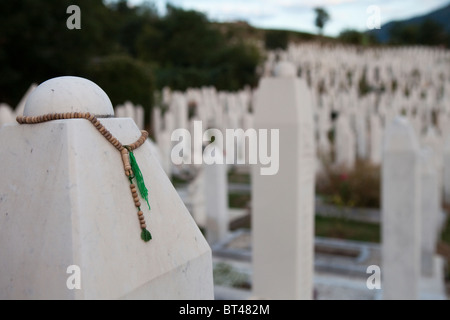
(347, 209)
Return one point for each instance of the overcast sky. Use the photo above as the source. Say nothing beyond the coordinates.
(299, 14)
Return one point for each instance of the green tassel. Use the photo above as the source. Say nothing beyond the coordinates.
(139, 178)
(146, 235)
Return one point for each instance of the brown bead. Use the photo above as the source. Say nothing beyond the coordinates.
(143, 226)
(102, 129)
(137, 203)
(19, 119)
(141, 217)
(76, 115)
(134, 194)
(136, 199)
(91, 118)
(133, 187)
(82, 115)
(140, 213)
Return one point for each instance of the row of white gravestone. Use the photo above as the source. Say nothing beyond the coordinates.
(411, 213)
(366, 116)
(218, 110)
(419, 90)
(128, 110)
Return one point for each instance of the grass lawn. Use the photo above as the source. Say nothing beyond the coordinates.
(340, 228)
(238, 200)
(234, 177)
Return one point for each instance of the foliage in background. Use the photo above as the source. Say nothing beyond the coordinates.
(339, 228)
(354, 37)
(322, 18)
(129, 50)
(428, 32)
(276, 39)
(107, 72)
(36, 45)
(225, 275)
(359, 187)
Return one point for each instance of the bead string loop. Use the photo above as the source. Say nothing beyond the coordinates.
(129, 162)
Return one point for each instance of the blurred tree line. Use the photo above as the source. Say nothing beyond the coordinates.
(129, 51)
(427, 33)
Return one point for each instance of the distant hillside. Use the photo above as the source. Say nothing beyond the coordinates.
(241, 30)
(441, 16)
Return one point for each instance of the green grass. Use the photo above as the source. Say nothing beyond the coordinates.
(238, 200)
(340, 228)
(177, 182)
(234, 177)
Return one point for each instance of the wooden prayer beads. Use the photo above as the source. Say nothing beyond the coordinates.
(108, 136)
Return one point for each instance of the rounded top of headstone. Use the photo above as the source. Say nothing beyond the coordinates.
(68, 94)
(285, 69)
(400, 136)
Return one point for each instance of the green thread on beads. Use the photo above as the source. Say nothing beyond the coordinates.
(139, 178)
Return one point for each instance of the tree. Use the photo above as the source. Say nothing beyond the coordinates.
(123, 78)
(276, 39)
(351, 37)
(322, 17)
(428, 32)
(36, 45)
(355, 37)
